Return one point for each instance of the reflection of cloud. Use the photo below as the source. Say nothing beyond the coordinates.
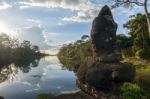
(4, 5)
(43, 74)
(27, 83)
(70, 91)
(60, 87)
(34, 87)
(30, 90)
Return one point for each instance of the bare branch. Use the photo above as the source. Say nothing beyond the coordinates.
(127, 3)
(134, 2)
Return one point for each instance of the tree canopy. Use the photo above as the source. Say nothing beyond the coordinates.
(132, 3)
(138, 29)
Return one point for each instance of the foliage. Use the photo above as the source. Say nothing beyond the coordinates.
(138, 29)
(133, 91)
(81, 51)
(142, 73)
(11, 50)
(125, 44)
(142, 79)
(74, 53)
(13, 54)
(143, 53)
(131, 4)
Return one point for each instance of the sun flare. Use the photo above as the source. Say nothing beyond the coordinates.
(5, 29)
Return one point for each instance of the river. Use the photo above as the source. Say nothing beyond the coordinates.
(47, 75)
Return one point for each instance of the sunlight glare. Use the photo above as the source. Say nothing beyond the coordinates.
(5, 29)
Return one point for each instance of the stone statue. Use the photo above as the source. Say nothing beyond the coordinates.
(106, 72)
(103, 35)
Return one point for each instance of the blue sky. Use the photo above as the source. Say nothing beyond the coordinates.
(51, 23)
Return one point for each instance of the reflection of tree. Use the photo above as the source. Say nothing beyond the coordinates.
(15, 55)
(9, 71)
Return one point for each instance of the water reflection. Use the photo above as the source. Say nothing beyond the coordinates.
(32, 78)
(8, 71)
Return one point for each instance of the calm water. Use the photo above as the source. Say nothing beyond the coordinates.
(44, 76)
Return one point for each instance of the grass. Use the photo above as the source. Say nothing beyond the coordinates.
(142, 72)
(133, 91)
(44, 96)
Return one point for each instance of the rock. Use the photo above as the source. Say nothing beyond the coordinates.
(76, 67)
(1, 97)
(77, 95)
(103, 35)
(103, 75)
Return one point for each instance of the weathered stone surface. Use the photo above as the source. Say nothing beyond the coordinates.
(77, 95)
(105, 75)
(1, 97)
(103, 35)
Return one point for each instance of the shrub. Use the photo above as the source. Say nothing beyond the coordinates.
(133, 91)
(143, 54)
(142, 79)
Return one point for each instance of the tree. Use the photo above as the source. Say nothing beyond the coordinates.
(26, 44)
(7, 41)
(35, 48)
(124, 42)
(84, 37)
(138, 29)
(131, 3)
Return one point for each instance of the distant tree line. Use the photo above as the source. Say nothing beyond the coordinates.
(76, 52)
(11, 50)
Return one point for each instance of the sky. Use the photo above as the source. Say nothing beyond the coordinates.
(52, 23)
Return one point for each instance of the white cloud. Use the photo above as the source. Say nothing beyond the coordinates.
(34, 21)
(34, 34)
(4, 5)
(38, 36)
(85, 9)
(66, 4)
(83, 16)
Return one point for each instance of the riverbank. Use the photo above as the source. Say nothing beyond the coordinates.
(142, 72)
(76, 95)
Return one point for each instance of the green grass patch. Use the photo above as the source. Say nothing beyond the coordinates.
(143, 80)
(133, 91)
(142, 77)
